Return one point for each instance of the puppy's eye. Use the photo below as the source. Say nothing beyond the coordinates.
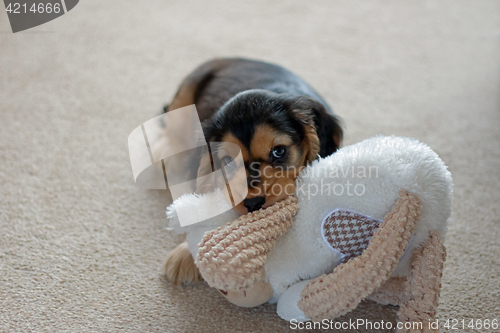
(227, 160)
(278, 152)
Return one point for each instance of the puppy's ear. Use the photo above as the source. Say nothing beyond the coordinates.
(323, 133)
(305, 115)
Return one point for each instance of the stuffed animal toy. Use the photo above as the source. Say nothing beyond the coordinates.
(368, 221)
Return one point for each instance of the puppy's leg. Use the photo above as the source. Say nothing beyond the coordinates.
(179, 266)
(424, 285)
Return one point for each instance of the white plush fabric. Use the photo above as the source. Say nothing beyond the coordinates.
(401, 163)
(287, 305)
(201, 205)
(371, 174)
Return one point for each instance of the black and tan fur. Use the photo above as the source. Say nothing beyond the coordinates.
(267, 111)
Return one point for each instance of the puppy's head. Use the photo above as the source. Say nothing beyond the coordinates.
(278, 135)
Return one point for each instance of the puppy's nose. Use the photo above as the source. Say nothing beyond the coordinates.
(254, 203)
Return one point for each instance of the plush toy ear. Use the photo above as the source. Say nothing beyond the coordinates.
(366, 273)
(323, 134)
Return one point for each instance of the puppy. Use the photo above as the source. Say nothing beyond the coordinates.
(278, 121)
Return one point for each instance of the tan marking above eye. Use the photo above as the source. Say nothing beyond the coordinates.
(266, 138)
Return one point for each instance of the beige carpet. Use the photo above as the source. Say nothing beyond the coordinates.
(81, 246)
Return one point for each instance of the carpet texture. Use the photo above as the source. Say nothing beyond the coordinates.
(81, 246)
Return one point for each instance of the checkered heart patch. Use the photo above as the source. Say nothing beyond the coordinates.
(348, 232)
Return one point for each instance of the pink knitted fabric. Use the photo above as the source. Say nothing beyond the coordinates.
(392, 292)
(424, 285)
(233, 256)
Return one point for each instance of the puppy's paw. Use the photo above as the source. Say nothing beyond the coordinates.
(179, 267)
